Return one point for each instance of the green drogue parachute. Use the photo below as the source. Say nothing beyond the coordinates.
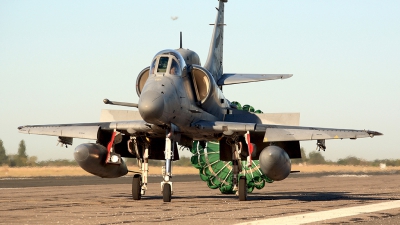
(219, 174)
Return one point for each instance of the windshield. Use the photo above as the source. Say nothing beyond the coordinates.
(162, 65)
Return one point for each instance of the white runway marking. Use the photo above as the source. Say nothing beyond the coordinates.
(348, 175)
(9, 188)
(326, 215)
(16, 178)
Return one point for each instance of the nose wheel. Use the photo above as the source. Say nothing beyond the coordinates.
(136, 187)
(167, 192)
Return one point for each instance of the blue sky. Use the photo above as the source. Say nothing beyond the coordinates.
(59, 59)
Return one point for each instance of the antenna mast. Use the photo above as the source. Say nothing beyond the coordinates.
(181, 40)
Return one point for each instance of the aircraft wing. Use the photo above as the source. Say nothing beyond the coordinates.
(296, 133)
(272, 133)
(85, 130)
(275, 133)
(237, 78)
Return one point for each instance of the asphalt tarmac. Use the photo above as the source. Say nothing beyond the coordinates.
(92, 200)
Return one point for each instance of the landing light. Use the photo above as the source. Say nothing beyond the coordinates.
(114, 159)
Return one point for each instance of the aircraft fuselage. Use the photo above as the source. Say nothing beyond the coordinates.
(180, 97)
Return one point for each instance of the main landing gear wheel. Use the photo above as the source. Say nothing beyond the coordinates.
(167, 193)
(242, 189)
(136, 187)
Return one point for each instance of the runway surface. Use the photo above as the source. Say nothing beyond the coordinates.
(92, 200)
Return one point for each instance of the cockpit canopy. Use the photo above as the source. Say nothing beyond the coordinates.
(165, 62)
(168, 62)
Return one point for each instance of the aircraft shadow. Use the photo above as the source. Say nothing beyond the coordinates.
(298, 196)
(316, 196)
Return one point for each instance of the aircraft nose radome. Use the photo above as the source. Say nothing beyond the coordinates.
(151, 105)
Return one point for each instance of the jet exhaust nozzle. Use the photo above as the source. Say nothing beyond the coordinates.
(91, 157)
(275, 163)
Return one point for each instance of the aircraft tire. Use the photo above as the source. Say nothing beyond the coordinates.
(167, 193)
(242, 189)
(136, 187)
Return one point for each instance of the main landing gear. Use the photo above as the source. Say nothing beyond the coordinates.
(239, 183)
(139, 181)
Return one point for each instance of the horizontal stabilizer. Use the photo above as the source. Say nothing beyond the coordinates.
(237, 78)
(109, 115)
(289, 119)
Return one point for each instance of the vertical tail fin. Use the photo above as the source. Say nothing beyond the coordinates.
(215, 54)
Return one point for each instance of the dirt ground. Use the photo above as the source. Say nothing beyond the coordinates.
(6, 171)
(91, 202)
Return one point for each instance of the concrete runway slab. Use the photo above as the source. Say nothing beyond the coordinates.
(92, 200)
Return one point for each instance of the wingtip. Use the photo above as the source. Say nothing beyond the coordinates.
(287, 76)
(374, 133)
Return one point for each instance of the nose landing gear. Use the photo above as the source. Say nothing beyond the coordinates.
(166, 184)
(139, 182)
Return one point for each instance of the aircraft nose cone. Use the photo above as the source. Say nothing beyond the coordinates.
(151, 106)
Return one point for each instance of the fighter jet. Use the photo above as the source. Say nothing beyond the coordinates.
(181, 101)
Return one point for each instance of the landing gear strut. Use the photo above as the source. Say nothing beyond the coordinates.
(145, 169)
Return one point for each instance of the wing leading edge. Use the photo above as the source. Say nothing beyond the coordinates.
(85, 130)
(275, 133)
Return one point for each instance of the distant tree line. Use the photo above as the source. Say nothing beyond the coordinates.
(19, 159)
(22, 159)
(313, 158)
